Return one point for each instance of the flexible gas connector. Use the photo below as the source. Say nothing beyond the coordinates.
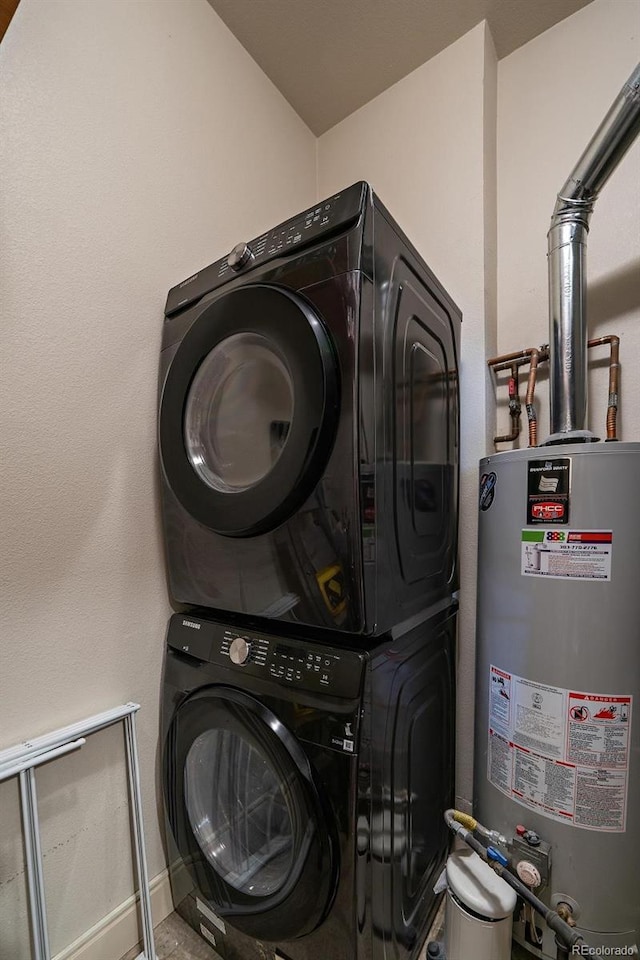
(459, 817)
(466, 820)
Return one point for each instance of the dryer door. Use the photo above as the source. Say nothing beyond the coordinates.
(425, 384)
(247, 817)
(249, 410)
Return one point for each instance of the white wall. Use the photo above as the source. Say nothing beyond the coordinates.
(139, 142)
(552, 95)
(427, 146)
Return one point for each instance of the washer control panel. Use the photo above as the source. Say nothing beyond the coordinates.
(329, 215)
(289, 662)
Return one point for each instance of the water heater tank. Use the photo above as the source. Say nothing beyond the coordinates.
(558, 678)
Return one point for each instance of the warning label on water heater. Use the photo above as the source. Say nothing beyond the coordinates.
(563, 753)
(567, 554)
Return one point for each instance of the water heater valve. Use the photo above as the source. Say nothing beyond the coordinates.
(529, 874)
(532, 853)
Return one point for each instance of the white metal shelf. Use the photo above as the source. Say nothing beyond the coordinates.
(21, 761)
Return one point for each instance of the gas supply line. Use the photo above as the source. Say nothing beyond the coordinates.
(533, 357)
(466, 828)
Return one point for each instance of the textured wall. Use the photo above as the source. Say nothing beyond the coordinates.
(126, 165)
(552, 95)
(427, 145)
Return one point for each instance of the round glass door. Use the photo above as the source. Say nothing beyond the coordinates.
(238, 413)
(247, 815)
(249, 410)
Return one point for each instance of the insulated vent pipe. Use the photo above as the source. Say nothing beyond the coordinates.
(567, 263)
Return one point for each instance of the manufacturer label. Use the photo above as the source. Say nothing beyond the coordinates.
(563, 753)
(548, 490)
(210, 915)
(488, 483)
(567, 554)
(206, 933)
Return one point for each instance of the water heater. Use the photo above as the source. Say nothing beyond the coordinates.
(558, 679)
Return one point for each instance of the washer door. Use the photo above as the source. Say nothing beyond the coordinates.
(249, 410)
(247, 817)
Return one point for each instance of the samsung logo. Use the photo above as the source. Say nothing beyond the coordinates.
(192, 624)
(185, 282)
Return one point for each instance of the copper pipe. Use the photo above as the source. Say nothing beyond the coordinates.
(520, 359)
(533, 357)
(614, 374)
(514, 409)
(509, 357)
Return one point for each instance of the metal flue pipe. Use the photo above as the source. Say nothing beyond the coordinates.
(567, 239)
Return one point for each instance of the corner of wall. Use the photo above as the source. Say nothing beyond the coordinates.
(485, 344)
(317, 170)
(490, 208)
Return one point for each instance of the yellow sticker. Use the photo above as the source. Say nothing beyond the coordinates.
(332, 587)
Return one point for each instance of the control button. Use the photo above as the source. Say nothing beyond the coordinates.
(521, 830)
(240, 255)
(239, 651)
(532, 838)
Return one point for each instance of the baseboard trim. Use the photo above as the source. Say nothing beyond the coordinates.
(119, 931)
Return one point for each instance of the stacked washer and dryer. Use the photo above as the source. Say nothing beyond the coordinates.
(308, 429)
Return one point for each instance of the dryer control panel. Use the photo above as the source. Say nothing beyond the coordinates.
(327, 216)
(290, 662)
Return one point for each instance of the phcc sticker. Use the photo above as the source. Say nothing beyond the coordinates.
(548, 490)
(488, 483)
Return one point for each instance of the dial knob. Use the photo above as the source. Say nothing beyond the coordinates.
(240, 255)
(239, 650)
(529, 874)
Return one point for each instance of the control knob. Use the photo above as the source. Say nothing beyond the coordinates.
(240, 255)
(239, 650)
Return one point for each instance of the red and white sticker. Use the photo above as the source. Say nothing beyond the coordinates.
(598, 730)
(563, 753)
(558, 554)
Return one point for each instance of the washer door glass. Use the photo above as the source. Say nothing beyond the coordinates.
(239, 813)
(238, 412)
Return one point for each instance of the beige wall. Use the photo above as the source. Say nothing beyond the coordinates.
(552, 95)
(427, 145)
(139, 142)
